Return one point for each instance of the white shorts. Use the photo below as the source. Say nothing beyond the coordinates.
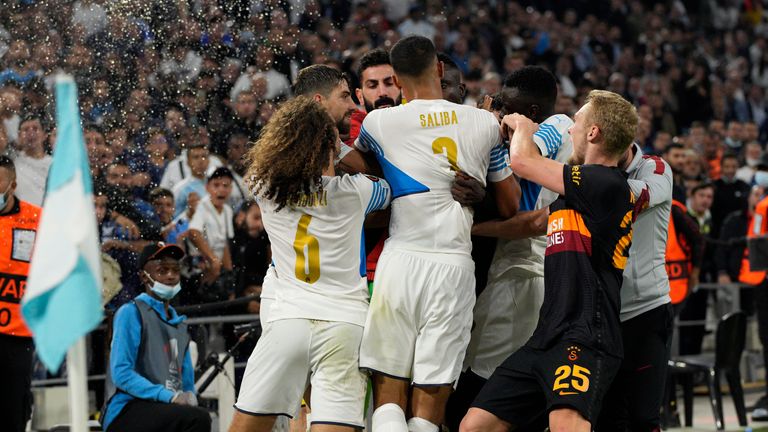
(293, 353)
(506, 315)
(419, 320)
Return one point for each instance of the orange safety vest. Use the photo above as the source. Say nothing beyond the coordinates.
(17, 237)
(760, 216)
(678, 261)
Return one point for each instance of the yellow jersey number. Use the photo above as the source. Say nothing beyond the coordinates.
(446, 146)
(621, 252)
(307, 251)
(578, 382)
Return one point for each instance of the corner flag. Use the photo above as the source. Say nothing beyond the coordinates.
(62, 301)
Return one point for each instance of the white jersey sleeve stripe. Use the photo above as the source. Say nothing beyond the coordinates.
(369, 143)
(551, 138)
(498, 158)
(379, 198)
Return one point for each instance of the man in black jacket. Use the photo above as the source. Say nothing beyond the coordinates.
(730, 193)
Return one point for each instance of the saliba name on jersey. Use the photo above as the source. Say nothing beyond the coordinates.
(443, 118)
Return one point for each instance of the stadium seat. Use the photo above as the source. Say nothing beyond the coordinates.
(729, 345)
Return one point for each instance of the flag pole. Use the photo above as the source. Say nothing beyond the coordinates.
(77, 382)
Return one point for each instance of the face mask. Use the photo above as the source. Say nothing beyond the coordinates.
(4, 198)
(761, 178)
(165, 292)
(752, 162)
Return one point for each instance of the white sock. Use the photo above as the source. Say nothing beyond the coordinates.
(418, 424)
(389, 418)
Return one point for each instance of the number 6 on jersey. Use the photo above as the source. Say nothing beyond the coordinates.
(307, 252)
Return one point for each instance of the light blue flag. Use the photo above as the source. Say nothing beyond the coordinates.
(62, 301)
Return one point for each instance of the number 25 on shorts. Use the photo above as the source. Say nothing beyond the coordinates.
(579, 380)
(307, 251)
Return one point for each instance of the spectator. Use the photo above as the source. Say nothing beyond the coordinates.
(211, 229)
(250, 247)
(198, 160)
(10, 108)
(753, 151)
(416, 24)
(695, 308)
(102, 104)
(32, 162)
(730, 193)
(89, 15)
(245, 115)
(119, 238)
(173, 229)
(733, 136)
(151, 381)
(100, 156)
(180, 168)
(730, 255)
(262, 79)
(19, 71)
(675, 155)
(237, 146)
(119, 181)
(148, 171)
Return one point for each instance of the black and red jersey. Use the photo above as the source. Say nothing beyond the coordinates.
(588, 238)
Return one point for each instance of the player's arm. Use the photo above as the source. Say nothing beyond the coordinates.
(505, 187)
(226, 261)
(353, 161)
(522, 225)
(362, 158)
(467, 190)
(525, 158)
(654, 184)
(507, 194)
(198, 240)
(375, 196)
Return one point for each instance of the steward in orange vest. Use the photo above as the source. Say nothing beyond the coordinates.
(757, 228)
(18, 227)
(685, 250)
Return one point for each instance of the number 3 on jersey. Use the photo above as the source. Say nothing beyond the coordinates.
(446, 146)
(307, 252)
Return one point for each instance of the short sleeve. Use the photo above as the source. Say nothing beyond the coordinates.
(375, 193)
(344, 150)
(594, 189)
(499, 169)
(549, 136)
(198, 219)
(365, 140)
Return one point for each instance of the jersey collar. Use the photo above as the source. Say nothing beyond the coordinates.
(635, 160)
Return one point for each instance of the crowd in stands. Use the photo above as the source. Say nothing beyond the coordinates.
(173, 93)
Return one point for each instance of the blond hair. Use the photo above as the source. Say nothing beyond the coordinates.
(615, 117)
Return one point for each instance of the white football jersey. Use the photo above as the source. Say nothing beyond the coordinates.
(318, 250)
(525, 257)
(420, 146)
